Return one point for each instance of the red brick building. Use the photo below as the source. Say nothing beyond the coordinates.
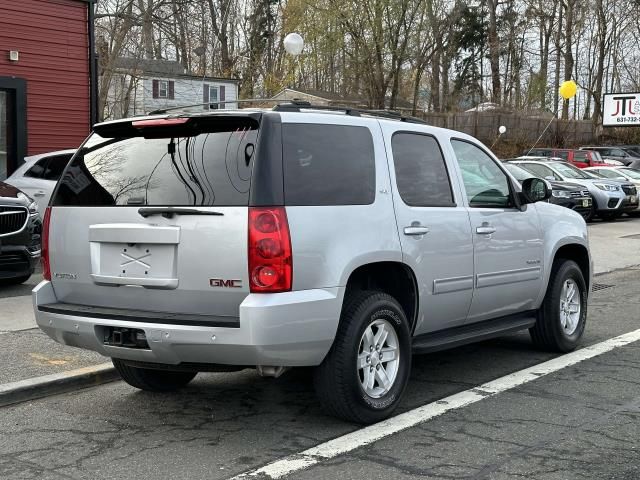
(47, 96)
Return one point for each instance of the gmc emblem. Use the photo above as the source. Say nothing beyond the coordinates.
(219, 282)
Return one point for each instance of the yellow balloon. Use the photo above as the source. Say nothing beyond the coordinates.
(568, 89)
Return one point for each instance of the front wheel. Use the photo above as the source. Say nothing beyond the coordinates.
(563, 315)
(152, 380)
(15, 280)
(589, 214)
(365, 373)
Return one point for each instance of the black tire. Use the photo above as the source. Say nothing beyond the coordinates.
(337, 380)
(152, 380)
(14, 281)
(548, 333)
(609, 217)
(588, 216)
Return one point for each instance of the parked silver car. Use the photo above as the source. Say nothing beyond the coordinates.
(621, 174)
(38, 175)
(611, 198)
(339, 240)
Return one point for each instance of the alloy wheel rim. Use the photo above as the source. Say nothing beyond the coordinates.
(378, 358)
(570, 307)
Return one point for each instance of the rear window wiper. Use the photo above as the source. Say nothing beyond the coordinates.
(169, 212)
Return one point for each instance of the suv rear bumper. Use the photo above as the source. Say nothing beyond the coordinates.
(282, 329)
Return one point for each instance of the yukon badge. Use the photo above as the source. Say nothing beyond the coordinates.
(66, 276)
(220, 282)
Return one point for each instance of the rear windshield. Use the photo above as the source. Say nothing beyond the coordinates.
(208, 163)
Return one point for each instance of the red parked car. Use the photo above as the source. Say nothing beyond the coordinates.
(579, 158)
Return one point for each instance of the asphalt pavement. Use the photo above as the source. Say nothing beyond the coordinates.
(580, 421)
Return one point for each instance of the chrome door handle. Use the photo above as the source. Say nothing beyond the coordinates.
(40, 193)
(416, 230)
(485, 230)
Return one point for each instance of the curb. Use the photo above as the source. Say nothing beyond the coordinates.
(38, 387)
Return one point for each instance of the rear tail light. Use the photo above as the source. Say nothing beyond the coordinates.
(270, 256)
(46, 264)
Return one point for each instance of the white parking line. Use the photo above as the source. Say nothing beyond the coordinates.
(373, 433)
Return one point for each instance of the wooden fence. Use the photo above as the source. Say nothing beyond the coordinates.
(521, 128)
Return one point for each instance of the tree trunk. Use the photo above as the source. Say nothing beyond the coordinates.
(568, 52)
(435, 79)
(147, 28)
(494, 50)
(556, 82)
(597, 91)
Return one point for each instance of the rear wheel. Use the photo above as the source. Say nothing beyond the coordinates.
(152, 380)
(365, 373)
(563, 315)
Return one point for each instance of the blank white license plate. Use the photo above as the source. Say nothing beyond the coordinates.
(137, 260)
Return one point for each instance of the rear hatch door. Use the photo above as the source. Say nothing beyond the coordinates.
(151, 215)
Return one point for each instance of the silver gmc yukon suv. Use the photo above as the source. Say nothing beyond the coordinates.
(335, 239)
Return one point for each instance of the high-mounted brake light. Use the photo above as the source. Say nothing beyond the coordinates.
(46, 264)
(159, 122)
(270, 255)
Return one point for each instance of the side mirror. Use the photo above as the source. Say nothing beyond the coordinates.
(550, 178)
(534, 190)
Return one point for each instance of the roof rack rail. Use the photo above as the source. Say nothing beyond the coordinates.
(160, 111)
(297, 105)
(394, 115)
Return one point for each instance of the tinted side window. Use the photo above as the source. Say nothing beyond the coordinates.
(55, 167)
(485, 183)
(328, 164)
(421, 173)
(541, 171)
(563, 154)
(616, 152)
(609, 174)
(538, 152)
(580, 156)
(38, 168)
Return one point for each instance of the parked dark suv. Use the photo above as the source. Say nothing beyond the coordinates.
(622, 155)
(20, 229)
(566, 194)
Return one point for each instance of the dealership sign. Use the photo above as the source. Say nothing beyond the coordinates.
(621, 110)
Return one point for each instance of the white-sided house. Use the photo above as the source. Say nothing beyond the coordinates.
(141, 86)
